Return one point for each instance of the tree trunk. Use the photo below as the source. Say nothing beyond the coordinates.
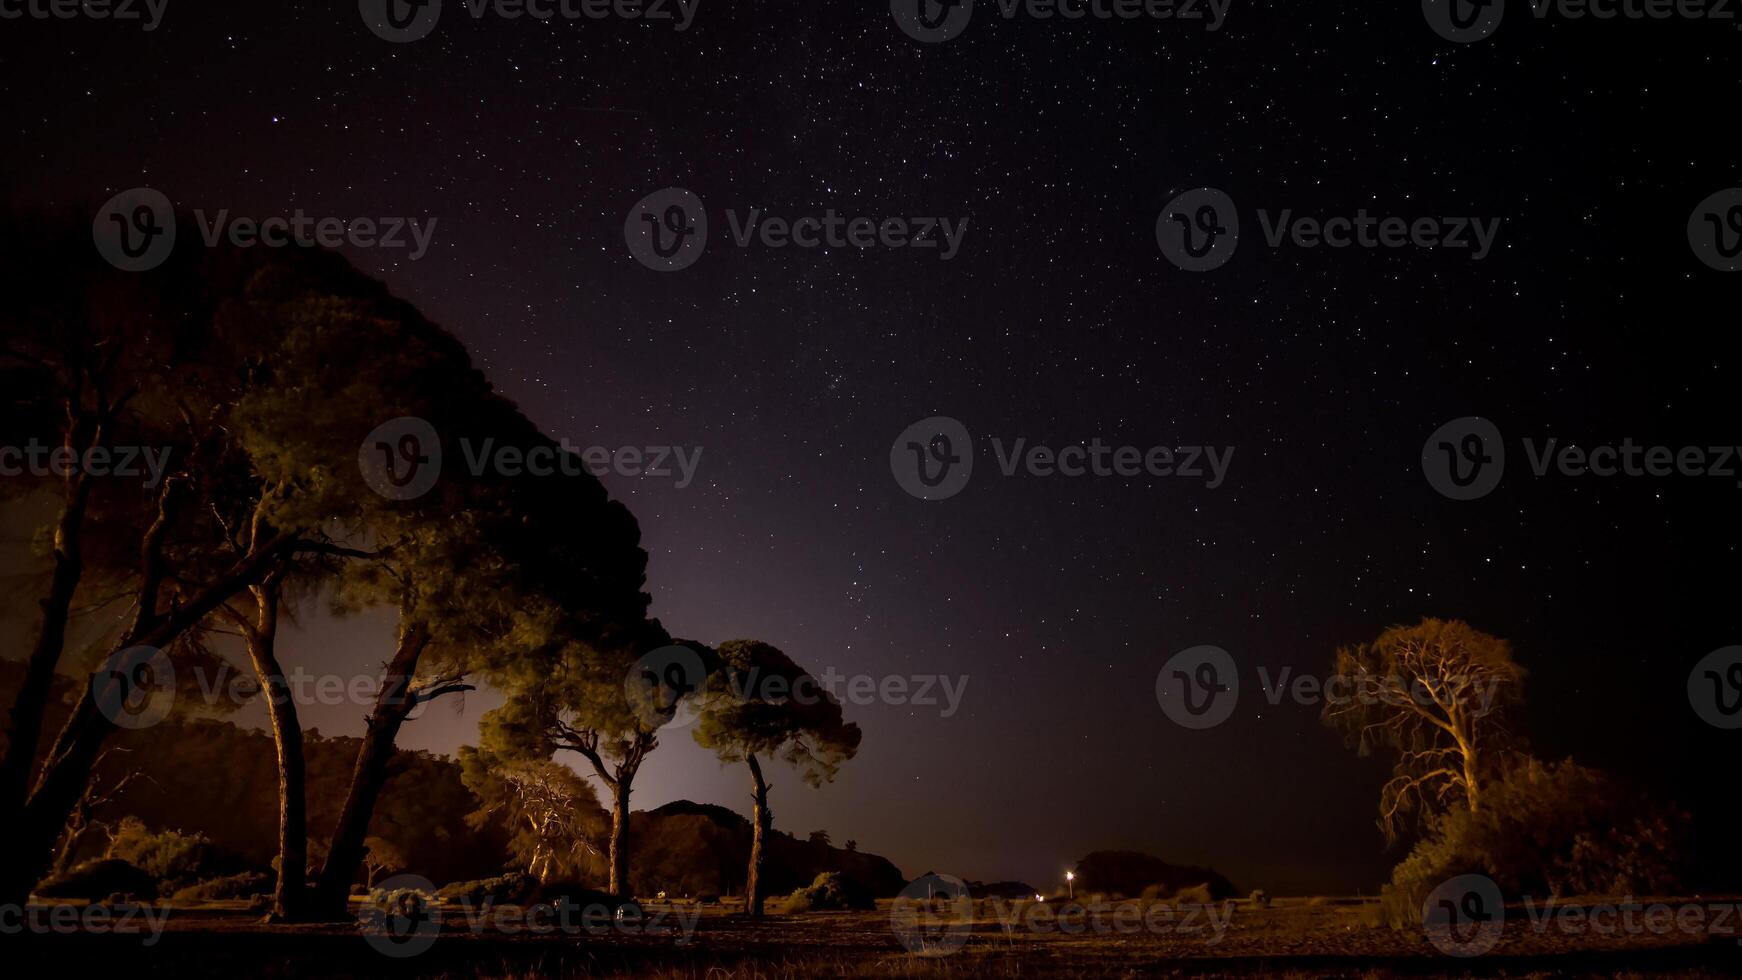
(41, 820)
(24, 733)
(620, 837)
(393, 703)
(760, 821)
(1468, 750)
(289, 899)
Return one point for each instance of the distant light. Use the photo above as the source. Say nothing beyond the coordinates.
(1070, 876)
(1039, 897)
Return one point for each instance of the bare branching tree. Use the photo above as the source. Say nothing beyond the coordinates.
(1438, 694)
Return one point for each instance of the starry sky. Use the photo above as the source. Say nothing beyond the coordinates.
(1059, 322)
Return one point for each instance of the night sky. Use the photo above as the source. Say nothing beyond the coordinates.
(1060, 321)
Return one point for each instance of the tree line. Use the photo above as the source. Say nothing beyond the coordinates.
(259, 374)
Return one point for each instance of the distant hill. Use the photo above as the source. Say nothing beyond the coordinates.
(1130, 873)
(686, 848)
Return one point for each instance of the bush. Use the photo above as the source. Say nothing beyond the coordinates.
(405, 903)
(225, 889)
(169, 856)
(509, 889)
(1259, 899)
(1545, 829)
(832, 891)
(98, 879)
(1194, 895)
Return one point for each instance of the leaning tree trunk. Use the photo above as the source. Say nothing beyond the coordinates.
(393, 703)
(290, 897)
(760, 821)
(42, 820)
(24, 732)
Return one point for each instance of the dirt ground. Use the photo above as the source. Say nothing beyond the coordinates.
(1294, 937)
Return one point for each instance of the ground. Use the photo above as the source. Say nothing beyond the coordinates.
(1292, 937)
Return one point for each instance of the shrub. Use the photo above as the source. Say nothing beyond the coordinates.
(1194, 895)
(1259, 899)
(832, 891)
(169, 856)
(228, 888)
(95, 880)
(407, 903)
(509, 889)
(1544, 829)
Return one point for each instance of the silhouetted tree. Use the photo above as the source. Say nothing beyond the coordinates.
(574, 699)
(758, 703)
